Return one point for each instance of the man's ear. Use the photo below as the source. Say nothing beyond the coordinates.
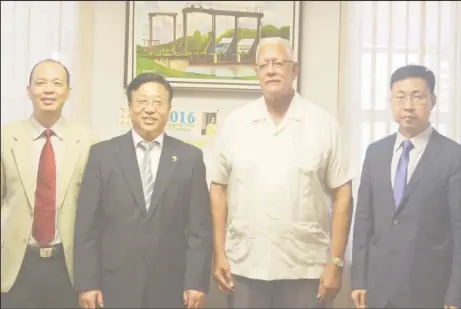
(69, 93)
(433, 99)
(295, 69)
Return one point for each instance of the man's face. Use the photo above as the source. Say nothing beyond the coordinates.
(275, 71)
(49, 88)
(412, 104)
(150, 109)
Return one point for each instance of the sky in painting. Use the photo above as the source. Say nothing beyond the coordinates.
(163, 25)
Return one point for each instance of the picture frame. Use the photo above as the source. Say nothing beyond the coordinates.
(213, 60)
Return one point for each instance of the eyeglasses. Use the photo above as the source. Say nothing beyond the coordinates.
(416, 100)
(143, 104)
(278, 65)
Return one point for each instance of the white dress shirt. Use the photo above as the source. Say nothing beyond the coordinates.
(154, 154)
(419, 145)
(279, 180)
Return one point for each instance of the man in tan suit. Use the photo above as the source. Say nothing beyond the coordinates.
(42, 161)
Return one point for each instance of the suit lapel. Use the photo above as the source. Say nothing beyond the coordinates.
(430, 154)
(387, 165)
(70, 158)
(168, 161)
(22, 149)
(126, 156)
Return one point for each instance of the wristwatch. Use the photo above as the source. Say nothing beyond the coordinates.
(337, 261)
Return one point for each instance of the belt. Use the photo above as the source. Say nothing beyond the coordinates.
(46, 252)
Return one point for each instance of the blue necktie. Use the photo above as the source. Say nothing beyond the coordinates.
(401, 174)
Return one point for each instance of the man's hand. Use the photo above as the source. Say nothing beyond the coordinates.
(193, 299)
(450, 307)
(90, 299)
(222, 274)
(330, 282)
(359, 297)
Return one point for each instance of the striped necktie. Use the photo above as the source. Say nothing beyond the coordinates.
(146, 171)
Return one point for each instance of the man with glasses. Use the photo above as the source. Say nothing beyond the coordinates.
(407, 230)
(143, 236)
(278, 163)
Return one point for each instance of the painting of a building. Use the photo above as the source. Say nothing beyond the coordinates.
(223, 45)
(207, 40)
(244, 45)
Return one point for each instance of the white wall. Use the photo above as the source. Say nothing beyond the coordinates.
(319, 65)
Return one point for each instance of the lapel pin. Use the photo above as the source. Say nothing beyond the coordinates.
(174, 158)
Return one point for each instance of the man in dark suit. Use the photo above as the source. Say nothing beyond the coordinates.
(143, 236)
(407, 235)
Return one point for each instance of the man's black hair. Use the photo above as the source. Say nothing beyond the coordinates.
(411, 71)
(144, 78)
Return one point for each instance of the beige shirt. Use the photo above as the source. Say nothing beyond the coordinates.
(39, 140)
(419, 142)
(278, 188)
(154, 154)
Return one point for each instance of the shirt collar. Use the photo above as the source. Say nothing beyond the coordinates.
(137, 138)
(419, 141)
(38, 129)
(260, 112)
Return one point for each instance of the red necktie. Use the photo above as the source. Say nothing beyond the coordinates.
(43, 229)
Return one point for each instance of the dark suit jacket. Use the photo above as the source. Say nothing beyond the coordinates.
(139, 258)
(410, 257)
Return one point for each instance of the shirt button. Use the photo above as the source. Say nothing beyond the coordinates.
(396, 222)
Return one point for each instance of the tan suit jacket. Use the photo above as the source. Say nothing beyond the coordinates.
(18, 184)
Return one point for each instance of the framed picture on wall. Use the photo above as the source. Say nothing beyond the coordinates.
(205, 44)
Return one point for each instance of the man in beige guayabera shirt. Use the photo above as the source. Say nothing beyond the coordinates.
(279, 163)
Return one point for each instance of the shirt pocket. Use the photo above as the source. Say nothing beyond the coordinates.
(308, 192)
(307, 169)
(243, 166)
(241, 185)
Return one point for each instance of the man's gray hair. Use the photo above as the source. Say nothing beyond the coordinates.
(276, 41)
